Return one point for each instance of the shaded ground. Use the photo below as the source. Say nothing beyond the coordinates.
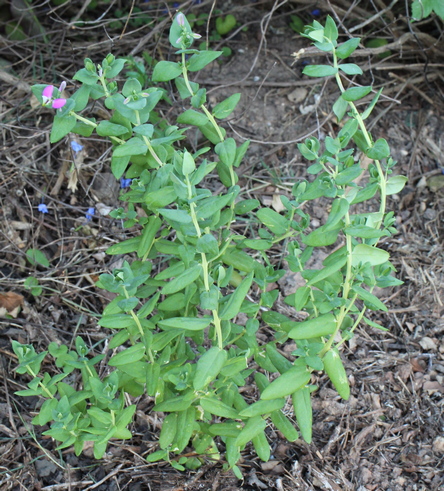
(389, 435)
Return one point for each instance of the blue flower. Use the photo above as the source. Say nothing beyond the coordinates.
(125, 183)
(76, 146)
(43, 208)
(89, 214)
(316, 13)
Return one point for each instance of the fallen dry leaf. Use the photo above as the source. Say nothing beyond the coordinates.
(10, 303)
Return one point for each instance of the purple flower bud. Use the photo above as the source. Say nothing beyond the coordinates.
(180, 19)
(43, 208)
(58, 103)
(196, 36)
(62, 87)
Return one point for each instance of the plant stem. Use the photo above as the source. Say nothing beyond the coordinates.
(204, 109)
(216, 319)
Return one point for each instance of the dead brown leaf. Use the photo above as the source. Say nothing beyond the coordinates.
(10, 303)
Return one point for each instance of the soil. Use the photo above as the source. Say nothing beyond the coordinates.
(390, 434)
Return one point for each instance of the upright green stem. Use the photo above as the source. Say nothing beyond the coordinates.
(358, 117)
(204, 261)
(148, 143)
(204, 109)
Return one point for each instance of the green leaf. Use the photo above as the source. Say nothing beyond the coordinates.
(119, 165)
(370, 300)
(86, 77)
(35, 257)
(321, 238)
(168, 431)
(363, 253)
(115, 68)
(105, 128)
(261, 446)
(226, 107)
(395, 184)
(183, 280)
(252, 428)
(180, 216)
(233, 305)
(209, 206)
(277, 223)
(61, 126)
(340, 108)
(363, 231)
(351, 69)
(284, 425)
(336, 372)
(218, 408)
(187, 323)
(201, 60)
(128, 355)
(183, 89)
(114, 321)
(262, 407)
(258, 244)
(245, 206)
(134, 146)
(145, 130)
(344, 50)
(160, 198)
(230, 430)
(165, 71)
(148, 235)
(374, 324)
(380, 150)
(225, 24)
(349, 174)
(319, 70)
(303, 411)
(372, 104)
(327, 271)
(339, 209)
(287, 383)
(192, 117)
(330, 30)
(209, 132)
(355, 93)
(125, 247)
(226, 151)
(323, 325)
(199, 98)
(128, 304)
(177, 403)
(347, 132)
(81, 97)
(208, 367)
(207, 244)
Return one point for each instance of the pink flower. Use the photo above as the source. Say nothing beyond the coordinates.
(58, 103)
(47, 93)
(47, 96)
